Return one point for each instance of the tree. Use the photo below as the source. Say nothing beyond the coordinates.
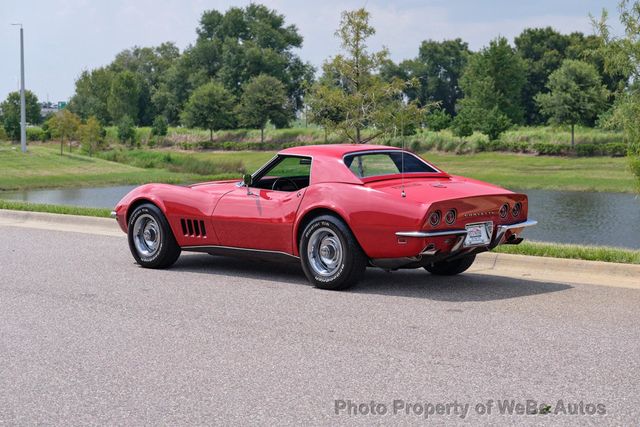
(437, 71)
(352, 95)
(495, 77)
(543, 50)
(149, 64)
(126, 130)
(438, 120)
(492, 84)
(64, 124)
(10, 112)
(576, 95)
(622, 55)
(264, 99)
(124, 96)
(210, 107)
(160, 126)
(91, 135)
(91, 95)
(245, 42)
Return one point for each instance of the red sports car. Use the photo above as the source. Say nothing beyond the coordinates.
(335, 208)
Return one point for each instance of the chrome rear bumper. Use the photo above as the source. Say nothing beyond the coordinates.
(499, 235)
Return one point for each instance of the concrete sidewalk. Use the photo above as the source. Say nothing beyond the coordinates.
(505, 265)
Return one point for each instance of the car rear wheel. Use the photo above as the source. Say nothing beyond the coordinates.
(151, 240)
(330, 255)
(451, 268)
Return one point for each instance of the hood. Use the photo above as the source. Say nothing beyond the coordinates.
(215, 187)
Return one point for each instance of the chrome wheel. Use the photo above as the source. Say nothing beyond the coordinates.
(146, 235)
(325, 252)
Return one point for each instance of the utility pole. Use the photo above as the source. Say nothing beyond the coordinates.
(23, 106)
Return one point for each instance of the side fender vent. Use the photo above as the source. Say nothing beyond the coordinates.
(193, 227)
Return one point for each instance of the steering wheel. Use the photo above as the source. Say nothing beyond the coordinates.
(274, 186)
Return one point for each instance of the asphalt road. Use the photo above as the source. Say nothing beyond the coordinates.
(88, 337)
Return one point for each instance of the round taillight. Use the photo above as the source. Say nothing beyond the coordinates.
(504, 210)
(517, 208)
(450, 217)
(434, 218)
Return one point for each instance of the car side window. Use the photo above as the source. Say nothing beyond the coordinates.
(288, 174)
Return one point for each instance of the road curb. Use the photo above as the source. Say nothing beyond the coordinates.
(60, 222)
(572, 271)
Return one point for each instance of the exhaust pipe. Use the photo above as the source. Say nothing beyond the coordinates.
(514, 240)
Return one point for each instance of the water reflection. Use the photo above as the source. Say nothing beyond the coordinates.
(104, 197)
(611, 219)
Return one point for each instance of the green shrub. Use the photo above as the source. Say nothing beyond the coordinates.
(35, 133)
(126, 130)
(438, 120)
(615, 149)
(587, 150)
(3, 134)
(160, 126)
(551, 149)
(175, 162)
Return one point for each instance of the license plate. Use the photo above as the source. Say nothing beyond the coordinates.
(478, 234)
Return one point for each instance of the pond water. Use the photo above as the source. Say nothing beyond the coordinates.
(611, 219)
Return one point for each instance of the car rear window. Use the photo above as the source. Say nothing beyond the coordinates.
(376, 163)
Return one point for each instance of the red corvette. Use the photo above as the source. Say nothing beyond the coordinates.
(335, 208)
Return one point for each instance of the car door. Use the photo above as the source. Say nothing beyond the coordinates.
(262, 215)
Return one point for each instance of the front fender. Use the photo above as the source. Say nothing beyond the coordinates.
(176, 203)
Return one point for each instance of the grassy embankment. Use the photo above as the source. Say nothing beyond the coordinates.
(43, 167)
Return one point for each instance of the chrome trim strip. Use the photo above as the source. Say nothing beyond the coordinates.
(274, 159)
(423, 234)
(392, 150)
(204, 247)
(502, 230)
(527, 223)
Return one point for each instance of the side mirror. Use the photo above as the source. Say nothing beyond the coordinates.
(247, 179)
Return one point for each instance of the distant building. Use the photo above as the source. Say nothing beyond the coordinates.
(49, 108)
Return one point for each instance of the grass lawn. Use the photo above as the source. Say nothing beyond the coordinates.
(43, 167)
(557, 250)
(542, 172)
(57, 209)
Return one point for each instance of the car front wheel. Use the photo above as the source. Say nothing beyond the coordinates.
(451, 268)
(331, 257)
(150, 238)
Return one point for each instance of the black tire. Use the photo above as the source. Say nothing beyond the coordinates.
(158, 248)
(451, 268)
(343, 270)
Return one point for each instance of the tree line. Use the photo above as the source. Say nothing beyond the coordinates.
(242, 71)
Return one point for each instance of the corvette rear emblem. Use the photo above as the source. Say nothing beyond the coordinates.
(486, 213)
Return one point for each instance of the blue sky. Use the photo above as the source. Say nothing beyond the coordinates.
(64, 37)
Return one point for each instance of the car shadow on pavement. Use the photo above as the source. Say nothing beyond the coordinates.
(418, 283)
(465, 287)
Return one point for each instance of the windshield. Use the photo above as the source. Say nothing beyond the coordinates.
(377, 163)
